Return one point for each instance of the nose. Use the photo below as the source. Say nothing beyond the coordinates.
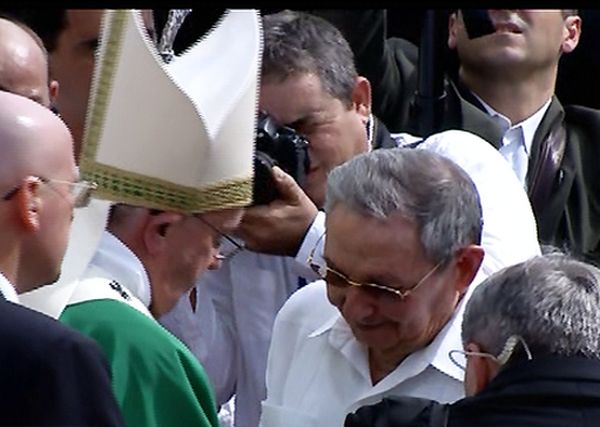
(357, 305)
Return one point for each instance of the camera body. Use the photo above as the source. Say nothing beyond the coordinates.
(277, 146)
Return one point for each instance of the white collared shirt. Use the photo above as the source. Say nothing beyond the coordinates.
(517, 138)
(318, 372)
(124, 266)
(8, 290)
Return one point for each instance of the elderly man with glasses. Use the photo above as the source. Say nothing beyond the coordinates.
(404, 249)
(530, 336)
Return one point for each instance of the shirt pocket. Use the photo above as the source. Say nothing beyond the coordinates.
(282, 416)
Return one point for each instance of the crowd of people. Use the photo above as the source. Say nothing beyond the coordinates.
(442, 278)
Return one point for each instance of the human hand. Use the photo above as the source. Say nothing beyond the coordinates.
(279, 227)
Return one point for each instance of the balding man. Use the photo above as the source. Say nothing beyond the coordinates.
(24, 63)
(49, 374)
(71, 37)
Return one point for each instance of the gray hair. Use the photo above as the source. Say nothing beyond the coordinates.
(422, 186)
(298, 43)
(552, 301)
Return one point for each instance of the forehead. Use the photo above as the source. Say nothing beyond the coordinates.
(23, 67)
(294, 97)
(363, 246)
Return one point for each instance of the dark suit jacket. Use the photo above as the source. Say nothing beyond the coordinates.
(543, 392)
(50, 375)
(570, 217)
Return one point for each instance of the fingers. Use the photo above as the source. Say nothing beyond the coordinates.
(288, 188)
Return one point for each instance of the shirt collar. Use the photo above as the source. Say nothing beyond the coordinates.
(527, 126)
(8, 290)
(124, 266)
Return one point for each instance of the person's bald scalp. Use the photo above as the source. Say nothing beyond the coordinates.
(33, 141)
(23, 64)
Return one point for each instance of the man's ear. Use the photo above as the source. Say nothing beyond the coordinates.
(53, 89)
(361, 97)
(156, 231)
(453, 23)
(468, 260)
(29, 204)
(480, 370)
(571, 33)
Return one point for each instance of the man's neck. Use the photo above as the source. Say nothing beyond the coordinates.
(515, 98)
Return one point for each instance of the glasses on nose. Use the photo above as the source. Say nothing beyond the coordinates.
(501, 359)
(223, 255)
(340, 280)
(80, 191)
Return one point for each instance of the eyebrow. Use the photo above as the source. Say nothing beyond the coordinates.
(393, 283)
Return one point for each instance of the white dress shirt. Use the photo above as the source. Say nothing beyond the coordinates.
(517, 138)
(8, 290)
(317, 372)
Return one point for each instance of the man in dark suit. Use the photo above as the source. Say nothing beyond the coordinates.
(504, 93)
(49, 374)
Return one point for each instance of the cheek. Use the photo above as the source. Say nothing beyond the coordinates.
(335, 296)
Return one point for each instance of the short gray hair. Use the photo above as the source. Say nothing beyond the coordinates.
(298, 42)
(422, 186)
(552, 301)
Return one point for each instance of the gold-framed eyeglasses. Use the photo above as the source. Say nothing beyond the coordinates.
(81, 191)
(340, 280)
(223, 255)
(501, 359)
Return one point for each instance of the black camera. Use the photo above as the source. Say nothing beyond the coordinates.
(277, 146)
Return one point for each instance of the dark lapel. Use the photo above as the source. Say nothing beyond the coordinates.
(465, 109)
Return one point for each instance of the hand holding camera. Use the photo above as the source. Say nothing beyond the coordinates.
(281, 213)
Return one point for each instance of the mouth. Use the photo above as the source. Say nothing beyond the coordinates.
(507, 27)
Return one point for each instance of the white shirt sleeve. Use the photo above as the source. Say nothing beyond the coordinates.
(313, 240)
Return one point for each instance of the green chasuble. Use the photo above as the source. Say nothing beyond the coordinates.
(157, 381)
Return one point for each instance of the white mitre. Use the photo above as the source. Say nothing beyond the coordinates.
(177, 136)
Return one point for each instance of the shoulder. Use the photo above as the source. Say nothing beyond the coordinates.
(400, 411)
(34, 329)
(40, 343)
(112, 318)
(307, 308)
(583, 127)
(136, 346)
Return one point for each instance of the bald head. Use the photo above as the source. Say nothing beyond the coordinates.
(36, 167)
(23, 64)
(33, 141)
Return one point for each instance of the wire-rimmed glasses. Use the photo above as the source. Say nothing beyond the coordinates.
(340, 280)
(81, 191)
(223, 255)
(501, 359)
